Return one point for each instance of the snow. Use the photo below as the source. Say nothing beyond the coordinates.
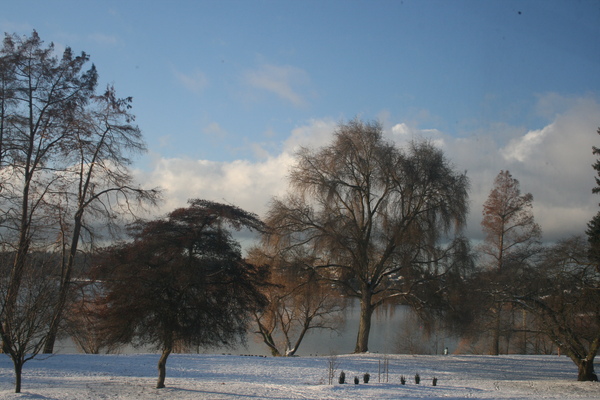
(204, 376)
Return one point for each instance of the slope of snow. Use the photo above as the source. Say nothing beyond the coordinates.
(198, 376)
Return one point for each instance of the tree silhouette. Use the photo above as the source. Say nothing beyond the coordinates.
(562, 291)
(182, 281)
(370, 215)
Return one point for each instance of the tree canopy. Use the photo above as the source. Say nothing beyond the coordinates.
(181, 282)
(368, 216)
(511, 233)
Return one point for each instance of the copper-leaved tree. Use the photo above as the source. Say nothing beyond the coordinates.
(512, 237)
(299, 303)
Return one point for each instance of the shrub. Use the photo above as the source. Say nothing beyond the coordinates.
(366, 377)
(356, 380)
(434, 381)
(402, 380)
(417, 379)
(342, 379)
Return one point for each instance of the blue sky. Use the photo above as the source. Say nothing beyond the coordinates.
(225, 91)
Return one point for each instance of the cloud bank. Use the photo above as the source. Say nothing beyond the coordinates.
(246, 184)
(552, 162)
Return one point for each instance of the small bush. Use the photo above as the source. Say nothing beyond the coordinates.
(342, 379)
(417, 379)
(366, 378)
(356, 380)
(402, 380)
(434, 381)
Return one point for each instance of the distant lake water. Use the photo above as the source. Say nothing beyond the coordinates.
(393, 330)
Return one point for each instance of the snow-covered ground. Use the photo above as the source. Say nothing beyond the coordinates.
(199, 376)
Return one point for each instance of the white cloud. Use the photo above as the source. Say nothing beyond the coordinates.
(195, 82)
(249, 185)
(318, 133)
(283, 81)
(520, 149)
(243, 183)
(402, 133)
(553, 163)
(402, 130)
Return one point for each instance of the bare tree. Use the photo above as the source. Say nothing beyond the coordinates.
(31, 312)
(40, 92)
(44, 92)
(64, 157)
(372, 215)
(511, 238)
(298, 303)
(332, 365)
(98, 186)
(563, 292)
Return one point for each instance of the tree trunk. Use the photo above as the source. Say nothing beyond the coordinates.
(290, 351)
(162, 367)
(50, 339)
(18, 373)
(267, 337)
(495, 346)
(364, 327)
(64, 285)
(586, 371)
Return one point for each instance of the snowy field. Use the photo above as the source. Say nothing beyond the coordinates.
(78, 376)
